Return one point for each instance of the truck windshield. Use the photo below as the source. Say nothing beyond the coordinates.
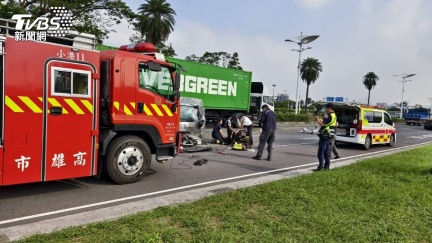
(159, 82)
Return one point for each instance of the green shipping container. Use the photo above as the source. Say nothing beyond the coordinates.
(219, 88)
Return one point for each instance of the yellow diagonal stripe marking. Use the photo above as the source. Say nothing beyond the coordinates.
(12, 105)
(30, 104)
(116, 105)
(126, 110)
(74, 106)
(167, 110)
(40, 98)
(156, 108)
(88, 105)
(54, 102)
(147, 111)
(133, 104)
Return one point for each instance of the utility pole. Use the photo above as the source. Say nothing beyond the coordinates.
(404, 77)
(301, 40)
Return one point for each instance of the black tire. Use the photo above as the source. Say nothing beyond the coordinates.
(127, 160)
(392, 141)
(368, 142)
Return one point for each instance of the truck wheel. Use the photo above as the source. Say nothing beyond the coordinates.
(127, 160)
(367, 143)
(392, 140)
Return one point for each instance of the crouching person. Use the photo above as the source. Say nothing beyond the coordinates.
(217, 132)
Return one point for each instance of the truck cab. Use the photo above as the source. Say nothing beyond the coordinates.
(139, 110)
(259, 96)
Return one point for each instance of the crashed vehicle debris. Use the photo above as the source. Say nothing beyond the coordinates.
(192, 124)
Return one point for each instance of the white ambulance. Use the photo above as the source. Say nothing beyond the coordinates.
(364, 125)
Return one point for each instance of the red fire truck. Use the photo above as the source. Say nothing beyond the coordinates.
(69, 111)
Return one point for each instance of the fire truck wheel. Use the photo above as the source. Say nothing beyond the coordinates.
(367, 143)
(127, 160)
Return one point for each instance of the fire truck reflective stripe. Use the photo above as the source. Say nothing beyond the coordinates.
(30, 104)
(126, 110)
(167, 110)
(147, 111)
(74, 106)
(87, 104)
(132, 104)
(116, 105)
(156, 108)
(12, 105)
(40, 98)
(54, 102)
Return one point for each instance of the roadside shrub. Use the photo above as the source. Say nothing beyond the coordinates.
(398, 120)
(283, 117)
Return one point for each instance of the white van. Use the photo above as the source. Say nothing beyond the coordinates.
(364, 125)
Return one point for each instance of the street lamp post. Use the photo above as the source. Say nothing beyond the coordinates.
(301, 40)
(274, 85)
(404, 77)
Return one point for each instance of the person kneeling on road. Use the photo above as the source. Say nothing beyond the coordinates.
(217, 132)
(245, 122)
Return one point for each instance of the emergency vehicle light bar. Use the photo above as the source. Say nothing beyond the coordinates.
(139, 47)
(143, 48)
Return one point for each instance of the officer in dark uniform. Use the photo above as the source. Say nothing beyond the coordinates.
(326, 134)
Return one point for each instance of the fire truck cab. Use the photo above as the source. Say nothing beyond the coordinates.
(70, 111)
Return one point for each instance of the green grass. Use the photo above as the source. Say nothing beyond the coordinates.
(385, 199)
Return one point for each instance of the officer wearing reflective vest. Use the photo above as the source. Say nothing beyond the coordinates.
(326, 134)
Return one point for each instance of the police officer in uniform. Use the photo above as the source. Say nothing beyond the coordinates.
(326, 134)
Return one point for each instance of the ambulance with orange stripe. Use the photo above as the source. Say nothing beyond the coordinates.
(70, 111)
(364, 125)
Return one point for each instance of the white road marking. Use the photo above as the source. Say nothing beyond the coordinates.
(191, 186)
(421, 136)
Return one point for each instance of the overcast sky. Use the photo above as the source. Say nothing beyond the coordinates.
(388, 37)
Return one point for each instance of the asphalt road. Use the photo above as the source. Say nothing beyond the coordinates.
(31, 203)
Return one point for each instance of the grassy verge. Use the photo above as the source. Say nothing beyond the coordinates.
(385, 199)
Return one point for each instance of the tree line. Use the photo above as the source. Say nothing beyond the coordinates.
(153, 22)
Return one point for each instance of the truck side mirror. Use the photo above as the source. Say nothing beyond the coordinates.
(174, 108)
(177, 82)
(177, 95)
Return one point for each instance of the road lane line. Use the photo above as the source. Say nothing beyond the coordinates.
(195, 185)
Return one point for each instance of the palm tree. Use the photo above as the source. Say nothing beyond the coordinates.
(310, 70)
(369, 81)
(155, 21)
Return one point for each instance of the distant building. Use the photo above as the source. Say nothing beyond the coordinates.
(282, 97)
(382, 104)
